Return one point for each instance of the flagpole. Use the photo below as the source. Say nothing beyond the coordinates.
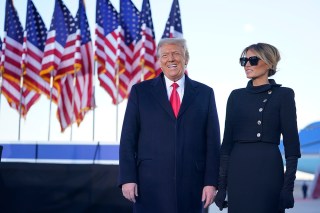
(72, 103)
(75, 70)
(142, 65)
(2, 65)
(143, 51)
(23, 69)
(93, 101)
(95, 67)
(142, 70)
(51, 88)
(117, 81)
(0, 87)
(117, 98)
(20, 105)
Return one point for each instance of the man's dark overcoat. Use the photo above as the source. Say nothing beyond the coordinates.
(171, 159)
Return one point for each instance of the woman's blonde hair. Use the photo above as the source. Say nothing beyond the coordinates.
(266, 52)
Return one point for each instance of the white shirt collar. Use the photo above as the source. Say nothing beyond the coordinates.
(180, 89)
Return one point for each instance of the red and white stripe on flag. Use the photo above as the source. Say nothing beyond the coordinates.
(144, 61)
(77, 88)
(108, 51)
(16, 94)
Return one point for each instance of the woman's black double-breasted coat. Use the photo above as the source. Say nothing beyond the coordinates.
(255, 120)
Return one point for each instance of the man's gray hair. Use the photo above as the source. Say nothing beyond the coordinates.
(177, 41)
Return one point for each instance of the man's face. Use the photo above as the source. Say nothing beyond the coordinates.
(172, 61)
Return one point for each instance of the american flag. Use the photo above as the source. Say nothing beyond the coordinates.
(78, 93)
(130, 22)
(34, 42)
(13, 43)
(0, 58)
(60, 49)
(12, 62)
(107, 49)
(173, 27)
(86, 74)
(145, 49)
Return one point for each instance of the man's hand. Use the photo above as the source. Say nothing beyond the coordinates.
(208, 195)
(129, 191)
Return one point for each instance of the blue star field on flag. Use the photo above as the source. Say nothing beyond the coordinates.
(106, 16)
(82, 23)
(146, 18)
(174, 21)
(35, 27)
(130, 21)
(13, 26)
(62, 22)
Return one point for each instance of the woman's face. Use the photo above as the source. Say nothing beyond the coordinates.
(256, 73)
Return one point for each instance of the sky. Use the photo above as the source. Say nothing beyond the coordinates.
(216, 33)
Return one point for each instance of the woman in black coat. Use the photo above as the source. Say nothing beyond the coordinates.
(251, 166)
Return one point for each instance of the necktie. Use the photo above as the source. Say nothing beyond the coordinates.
(175, 99)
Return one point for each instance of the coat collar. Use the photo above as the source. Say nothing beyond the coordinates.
(160, 94)
(263, 88)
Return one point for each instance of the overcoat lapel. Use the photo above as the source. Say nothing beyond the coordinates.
(160, 94)
(190, 92)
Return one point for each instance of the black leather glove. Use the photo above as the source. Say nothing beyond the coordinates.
(220, 199)
(222, 187)
(286, 200)
(286, 195)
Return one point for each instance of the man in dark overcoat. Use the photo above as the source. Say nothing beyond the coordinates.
(168, 155)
